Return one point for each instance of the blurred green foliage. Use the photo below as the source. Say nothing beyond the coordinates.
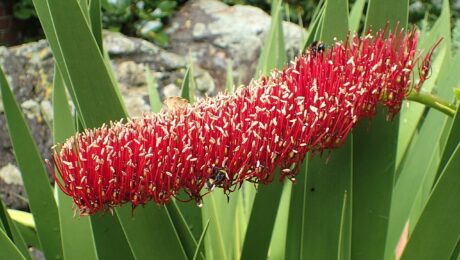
(137, 17)
(141, 18)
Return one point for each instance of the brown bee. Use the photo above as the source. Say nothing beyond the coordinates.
(173, 103)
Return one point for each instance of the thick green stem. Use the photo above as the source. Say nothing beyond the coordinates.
(432, 101)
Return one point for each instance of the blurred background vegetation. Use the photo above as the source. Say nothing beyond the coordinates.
(147, 18)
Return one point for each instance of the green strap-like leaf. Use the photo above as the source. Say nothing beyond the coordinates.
(88, 74)
(421, 160)
(273, 51)
(213, 210)
(314, 26)
(150, 223)
(280, 229)
(321, 200)
(297, 214)
(335, 21)
(95, 16)
(457, 94)
(416, 169)
(412, 113)
(356, 14)
(327, 181)
(9, 250)
(183, 231)
(12, 231)
(34, 175)
(381, 12)
(263, 215)
(374, 155)
(436, 233)
(25, 225)
(188, 85)
(200, 242)
(261, 222)
(76, 232)
(110, 240)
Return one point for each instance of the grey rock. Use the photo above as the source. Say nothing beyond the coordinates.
(46, 110)
(215, 33)
(167, 68)
(199, 31)
(171, 90)
(10, 174)
(131, 73)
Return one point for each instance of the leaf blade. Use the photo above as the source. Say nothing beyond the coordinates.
(34, 175)
(434, 222)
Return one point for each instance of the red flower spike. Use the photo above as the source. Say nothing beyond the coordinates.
(311, 105)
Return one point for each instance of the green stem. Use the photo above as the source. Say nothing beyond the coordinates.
(432, 101)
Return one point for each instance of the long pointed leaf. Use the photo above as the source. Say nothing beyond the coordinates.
(415, 171)
(374, 156)
(214, 243)
(34, 175)
(200, 242)
(381, 12)
(12, 231)
(297, 213)
(95, 17)
(261, 222)
(356, 14)
(327, 181)
(335, 21)
(9, 250)
(438, 229)
(77, 236)
(326, 184)
(188, 86)
(85, 65)
(153, 224)
(183, 231)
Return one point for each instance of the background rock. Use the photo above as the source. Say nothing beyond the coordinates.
(215, 33)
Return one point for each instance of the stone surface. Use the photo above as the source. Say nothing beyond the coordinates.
(215, 33)
(10, 174)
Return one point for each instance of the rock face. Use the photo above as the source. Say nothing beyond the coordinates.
(216, 33)
(211, 30)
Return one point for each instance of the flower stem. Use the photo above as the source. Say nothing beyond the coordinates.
(432, 101)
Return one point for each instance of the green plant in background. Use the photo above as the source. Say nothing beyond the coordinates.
(139, 18)
(24, 9)
(142, 18)
(397, 181)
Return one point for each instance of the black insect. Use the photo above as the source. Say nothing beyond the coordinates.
(217, 177)
(317, 47)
